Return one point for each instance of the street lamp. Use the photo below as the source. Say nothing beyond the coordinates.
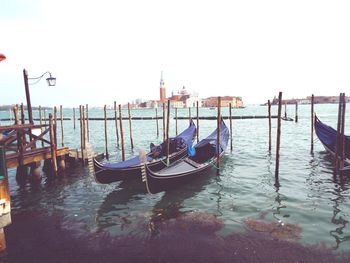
(51, 81)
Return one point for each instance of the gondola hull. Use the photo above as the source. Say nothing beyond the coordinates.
(156, 183)
(157, 158)
(327, 136)
(107, 176)
(189, 168)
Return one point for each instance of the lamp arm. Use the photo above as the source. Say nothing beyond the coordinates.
(42, 75)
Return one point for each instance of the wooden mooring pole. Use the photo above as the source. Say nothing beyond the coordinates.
(10, 116)
(121, 132)
(84, 130)
(41, 123)
(116, 122)
(62, 129)
(106, 139)
(55, 124)
(340, 138)
(285, 110)
(81, 135)
(278, 140)
(296, 111)
(218, 146)
(15, 114)
(176, 121)
(312, 123)
(230, 112)
(189, 114)
(130, 128)
(157, 122)
(22, 114)
(87, 122)
(163, 122)
(197, 121)
(269, 112)
(167, 132)
(53, 147)
(74, 118)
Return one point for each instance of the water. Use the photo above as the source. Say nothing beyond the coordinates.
(310, 200)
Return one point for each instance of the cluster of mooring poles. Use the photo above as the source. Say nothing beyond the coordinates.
(340, 139)
(165, 126)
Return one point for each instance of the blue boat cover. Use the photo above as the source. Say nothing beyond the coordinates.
(212, 138)
(184, 139)
(328, 136)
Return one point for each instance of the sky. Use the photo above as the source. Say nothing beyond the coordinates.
(104, 51)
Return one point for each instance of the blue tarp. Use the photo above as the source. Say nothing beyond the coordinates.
(184, 139)
(212, 138)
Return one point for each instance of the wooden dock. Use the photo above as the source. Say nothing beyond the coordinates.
(34, 156)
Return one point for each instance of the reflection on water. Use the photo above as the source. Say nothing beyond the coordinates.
(305, 197)
(341, 184)
(336, 187)
(171, 205)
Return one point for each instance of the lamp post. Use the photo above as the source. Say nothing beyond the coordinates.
(51, 81)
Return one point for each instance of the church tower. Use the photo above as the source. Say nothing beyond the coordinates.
(162, 89)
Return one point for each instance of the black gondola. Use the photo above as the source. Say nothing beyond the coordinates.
(287, 119)
(328, 136)
(156, 158)
(189, 167)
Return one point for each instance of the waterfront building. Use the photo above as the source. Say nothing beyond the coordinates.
(236, 102)
(162, 90)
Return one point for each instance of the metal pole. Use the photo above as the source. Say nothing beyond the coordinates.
(29, 105)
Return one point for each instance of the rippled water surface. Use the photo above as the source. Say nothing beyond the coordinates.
(311, 202)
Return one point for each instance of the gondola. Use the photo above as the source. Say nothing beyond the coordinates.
(156, 158)
(328, 136)
(192, 166)
(287, 119)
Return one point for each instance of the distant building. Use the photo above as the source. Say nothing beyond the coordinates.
(184, 99)
(150, 104)
(236, 102)
(162, 89)
(307, 100)
(326, 99)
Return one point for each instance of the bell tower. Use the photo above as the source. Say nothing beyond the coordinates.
(162, 89)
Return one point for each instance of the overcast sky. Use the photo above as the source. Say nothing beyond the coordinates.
(101, 51)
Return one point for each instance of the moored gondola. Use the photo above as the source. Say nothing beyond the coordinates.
(188, 168)
(328, 136)
(156, 158)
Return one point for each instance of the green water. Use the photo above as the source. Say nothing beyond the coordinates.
(309, 196)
